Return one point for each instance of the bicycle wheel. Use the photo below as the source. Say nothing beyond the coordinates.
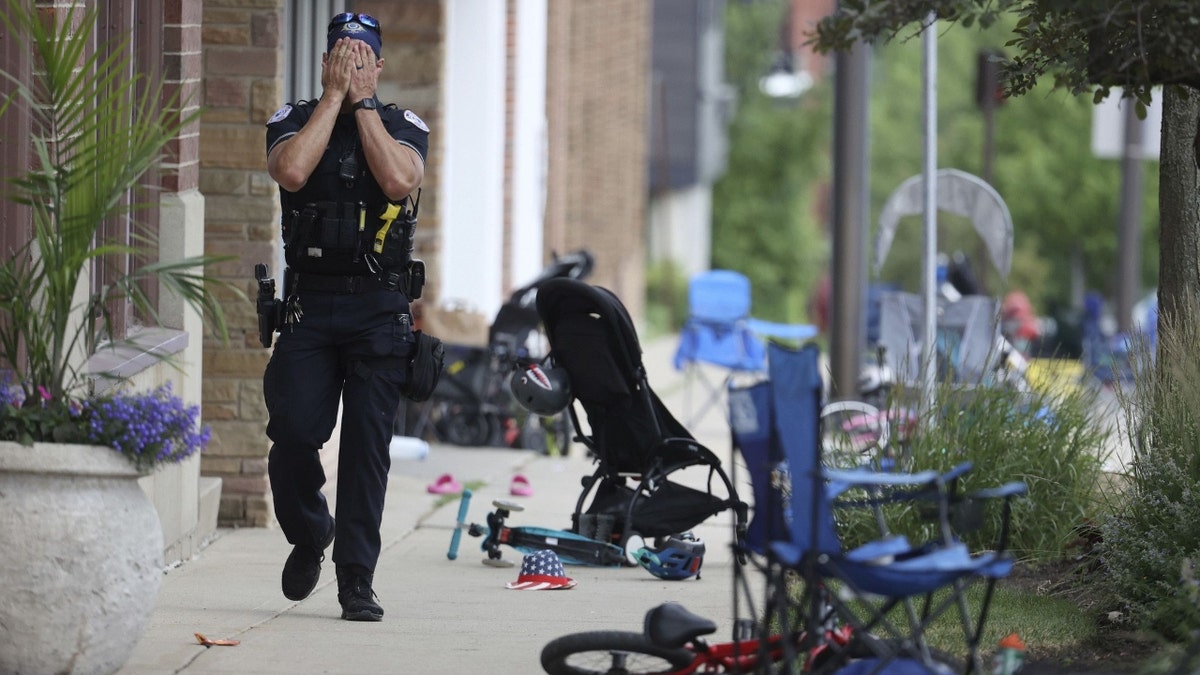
(851, 657)
(853, 434)
(602, 652)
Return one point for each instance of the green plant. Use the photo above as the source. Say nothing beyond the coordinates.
(666, 297)
(95, 133)
(1152, 533)
(147, 427)
(1051, 441)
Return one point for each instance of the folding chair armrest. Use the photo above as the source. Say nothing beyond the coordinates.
(958, 471)
(786, 331)
(874, 478)
(1013, 489)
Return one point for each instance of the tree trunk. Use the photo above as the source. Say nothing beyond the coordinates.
(1179, 208)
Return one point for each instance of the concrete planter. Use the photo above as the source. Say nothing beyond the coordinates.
(81, 559)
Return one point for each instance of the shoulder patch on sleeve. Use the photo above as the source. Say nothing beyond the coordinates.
(414, 120)
(280, 114)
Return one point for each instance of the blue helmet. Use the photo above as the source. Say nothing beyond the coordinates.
(676, 557)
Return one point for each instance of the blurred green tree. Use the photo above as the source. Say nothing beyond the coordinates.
(766, 222)
(1086, 47)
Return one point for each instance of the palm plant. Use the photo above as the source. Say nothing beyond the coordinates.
(95, 133)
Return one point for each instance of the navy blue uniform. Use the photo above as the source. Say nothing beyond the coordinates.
(351, 344)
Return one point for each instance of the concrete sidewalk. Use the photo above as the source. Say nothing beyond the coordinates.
(442, 616)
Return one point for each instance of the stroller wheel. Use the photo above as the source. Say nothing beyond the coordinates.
(463, 428)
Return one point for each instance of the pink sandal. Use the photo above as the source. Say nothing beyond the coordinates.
(444, 485)
(520, 487)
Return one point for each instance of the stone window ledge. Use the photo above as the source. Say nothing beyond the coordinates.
(114, 363)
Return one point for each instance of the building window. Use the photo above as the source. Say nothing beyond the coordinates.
(141, 21)
(305, 23)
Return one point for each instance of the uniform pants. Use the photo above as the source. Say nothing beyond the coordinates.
(349, 346)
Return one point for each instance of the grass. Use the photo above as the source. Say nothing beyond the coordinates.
(1051, 627)
(1047, 625)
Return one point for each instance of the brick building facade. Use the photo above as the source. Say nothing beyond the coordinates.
(243, 65)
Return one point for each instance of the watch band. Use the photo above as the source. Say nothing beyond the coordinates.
(366, 103)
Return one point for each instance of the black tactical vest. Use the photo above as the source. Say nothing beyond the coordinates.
(329, 224)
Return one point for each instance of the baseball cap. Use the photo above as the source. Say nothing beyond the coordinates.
(355, 26)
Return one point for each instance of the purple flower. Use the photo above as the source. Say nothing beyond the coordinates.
(148, 427)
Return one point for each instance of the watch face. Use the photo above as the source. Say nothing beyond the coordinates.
(366, 103)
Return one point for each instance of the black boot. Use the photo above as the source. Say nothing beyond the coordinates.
(303, 568)
(355, 594)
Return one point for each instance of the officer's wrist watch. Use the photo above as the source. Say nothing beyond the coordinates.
(365, 104)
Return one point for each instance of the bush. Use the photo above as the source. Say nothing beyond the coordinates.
(1050, 441)
(1152, 532)
(666, 298)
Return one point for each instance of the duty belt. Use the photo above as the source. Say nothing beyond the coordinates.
(359, 283)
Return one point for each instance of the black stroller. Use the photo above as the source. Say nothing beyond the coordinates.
(635, 440)
(472, 405)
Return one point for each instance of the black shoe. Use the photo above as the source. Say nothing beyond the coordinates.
(356, 596)
(303, 568)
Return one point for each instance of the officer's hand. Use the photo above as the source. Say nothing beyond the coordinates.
(335, 72)
(364, 78)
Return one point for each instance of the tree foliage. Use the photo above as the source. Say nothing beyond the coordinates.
(765, 218)
(1082, 44)
(1062, 198)
(1087, 45)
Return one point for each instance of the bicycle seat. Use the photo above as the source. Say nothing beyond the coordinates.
(671, 625)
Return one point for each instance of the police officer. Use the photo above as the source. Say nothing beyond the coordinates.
(348, 170)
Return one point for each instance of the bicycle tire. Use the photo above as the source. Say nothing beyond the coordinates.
(830, 663)
(600, 652)
(854, 434)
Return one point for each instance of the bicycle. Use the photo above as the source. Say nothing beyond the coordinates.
(571, 547)
(857, 433)
(671, 643)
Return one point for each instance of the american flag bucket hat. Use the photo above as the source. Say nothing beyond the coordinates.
(541, 571)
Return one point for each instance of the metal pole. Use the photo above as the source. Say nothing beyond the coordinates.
(929, 257)
(847, 325)
(988, 105)
(1129, 234)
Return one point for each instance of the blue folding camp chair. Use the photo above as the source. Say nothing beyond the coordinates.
(776, 428)
(720, 332)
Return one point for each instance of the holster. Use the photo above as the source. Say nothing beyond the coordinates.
(269, 307)
(413, 279)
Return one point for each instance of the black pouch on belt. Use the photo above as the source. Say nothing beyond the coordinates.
(425, 368)
(339, 226)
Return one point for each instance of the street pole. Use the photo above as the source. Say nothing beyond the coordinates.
(929, 257)
(847, 325)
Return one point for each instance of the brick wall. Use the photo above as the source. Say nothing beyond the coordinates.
(412, 78)
(597, 105)
(242, 87)
(181, 79)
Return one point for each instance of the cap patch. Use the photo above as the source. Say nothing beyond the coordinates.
(280, 114)
(415, 121)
